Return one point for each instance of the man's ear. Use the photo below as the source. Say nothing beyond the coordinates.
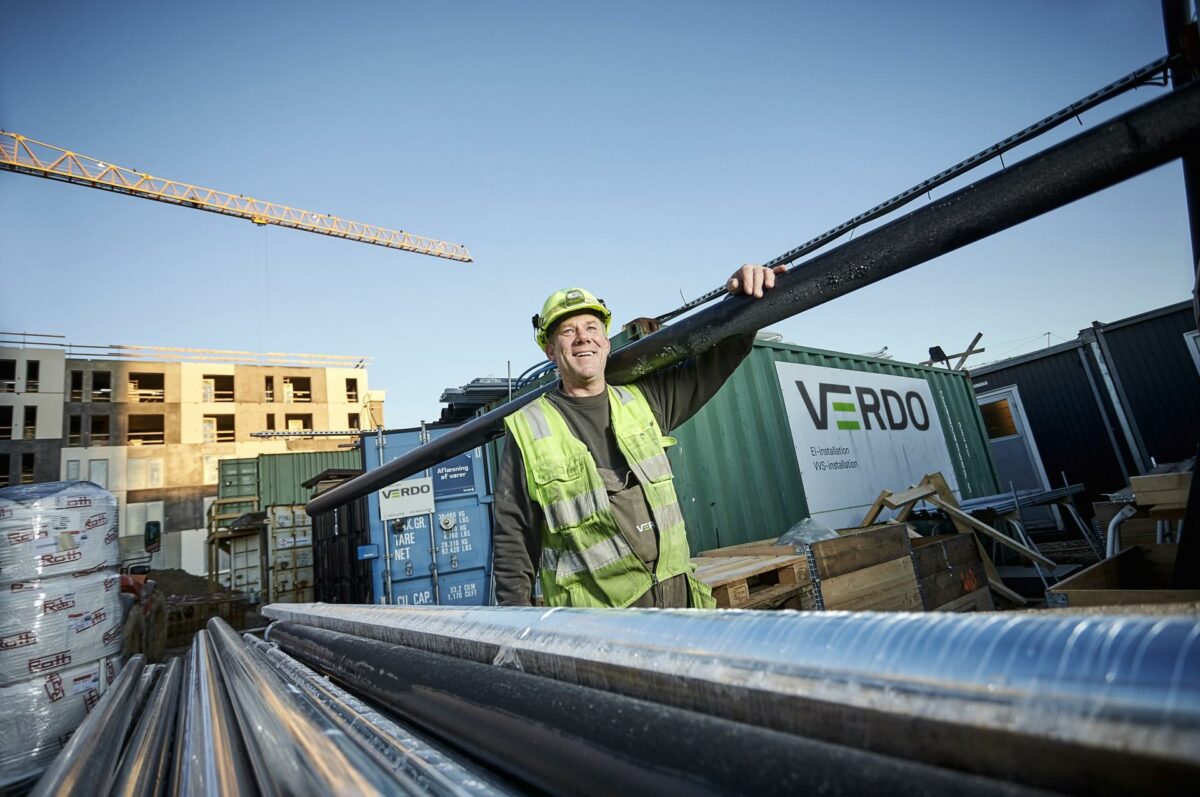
(550, 353)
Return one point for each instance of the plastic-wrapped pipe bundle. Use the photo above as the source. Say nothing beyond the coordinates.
(56, 528)
(53, 623)
(38, 716)
(1103, 704)
(426, 763)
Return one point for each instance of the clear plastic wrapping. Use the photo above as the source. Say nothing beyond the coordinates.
(53, 623)
(1120, 682)
(38, 715)
(56, 528)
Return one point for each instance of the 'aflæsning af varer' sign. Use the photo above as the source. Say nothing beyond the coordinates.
(858, 433)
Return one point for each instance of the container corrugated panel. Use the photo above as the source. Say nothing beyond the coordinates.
(735, 465)
(237, 478)
(461, 529)
(280, 476)
(291, 534)
(1158, 376)
(339, 575)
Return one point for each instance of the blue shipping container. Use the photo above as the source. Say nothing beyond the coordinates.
(461, 529)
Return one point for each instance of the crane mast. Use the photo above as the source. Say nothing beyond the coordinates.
(24, 155)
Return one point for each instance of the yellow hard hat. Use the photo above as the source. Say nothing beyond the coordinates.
(568, 301)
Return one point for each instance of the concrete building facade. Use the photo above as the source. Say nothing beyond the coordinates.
(152, 431)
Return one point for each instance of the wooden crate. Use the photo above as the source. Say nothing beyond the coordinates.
(948, 567)
(753, 582)
(1138, 574)
(870, 570)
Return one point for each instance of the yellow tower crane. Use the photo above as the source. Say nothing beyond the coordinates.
(26, 156)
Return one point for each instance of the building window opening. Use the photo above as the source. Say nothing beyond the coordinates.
(101, 386)
(74, 430)
(5, 466)
(76, 386)
(218, 387)
(297, 389)
(298, 423)
(27, 465)
(147, 388)
(8, 376)
(352, 391)
(100, 430)
(72, 470)
(270, 421)
(146, 430)
(30, 423)
(269, 389)
(219, 429)
(352, 421)
(33, 370)
(6, 423)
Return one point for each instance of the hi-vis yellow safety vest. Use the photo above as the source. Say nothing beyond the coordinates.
(585, 560)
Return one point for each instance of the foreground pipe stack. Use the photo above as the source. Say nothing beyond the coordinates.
(490, 701)
(1074, 704)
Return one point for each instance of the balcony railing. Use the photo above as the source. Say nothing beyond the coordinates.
(30, 433)
(26, 477)
(147, 396)
(75, 439)
(100, 438)
(145, 438)
(76, 394)
(102, 394)
(8, 386)
(31, 385)
(6, 432)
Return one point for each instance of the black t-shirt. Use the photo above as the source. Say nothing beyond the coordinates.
(674, 395)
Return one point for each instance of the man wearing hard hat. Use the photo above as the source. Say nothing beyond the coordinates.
(584, 488)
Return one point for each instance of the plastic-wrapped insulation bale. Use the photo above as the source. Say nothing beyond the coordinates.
(56, 528)
(53, 623)
(38, 716)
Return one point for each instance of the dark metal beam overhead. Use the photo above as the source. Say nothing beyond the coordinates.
(1135, 142)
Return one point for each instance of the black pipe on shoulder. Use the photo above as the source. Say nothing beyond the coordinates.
(1135, 142)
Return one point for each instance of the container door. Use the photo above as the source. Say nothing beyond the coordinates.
(1015, 451)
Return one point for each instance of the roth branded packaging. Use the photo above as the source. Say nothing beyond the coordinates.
(60, 617)
(56, 528)
(38, 715)
(53, 623)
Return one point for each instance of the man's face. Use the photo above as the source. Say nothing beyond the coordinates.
(579, 347)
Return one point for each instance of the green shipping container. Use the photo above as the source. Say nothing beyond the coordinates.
(280, 475)
(754, 462)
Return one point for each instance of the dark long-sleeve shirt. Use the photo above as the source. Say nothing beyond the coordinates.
(675, 394)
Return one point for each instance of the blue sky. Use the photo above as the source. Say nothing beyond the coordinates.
(643, 150)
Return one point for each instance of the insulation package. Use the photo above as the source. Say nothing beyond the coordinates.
(56, 528)
(60, 617)
(38, 715)
(54, 623)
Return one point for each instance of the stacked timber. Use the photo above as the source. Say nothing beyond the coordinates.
(863, 569)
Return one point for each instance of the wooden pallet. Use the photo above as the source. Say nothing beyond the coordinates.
(753, 582)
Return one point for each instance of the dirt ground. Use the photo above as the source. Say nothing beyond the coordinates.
(180, 582)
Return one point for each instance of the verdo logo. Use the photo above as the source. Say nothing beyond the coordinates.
(887, 409)
(408, 491)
